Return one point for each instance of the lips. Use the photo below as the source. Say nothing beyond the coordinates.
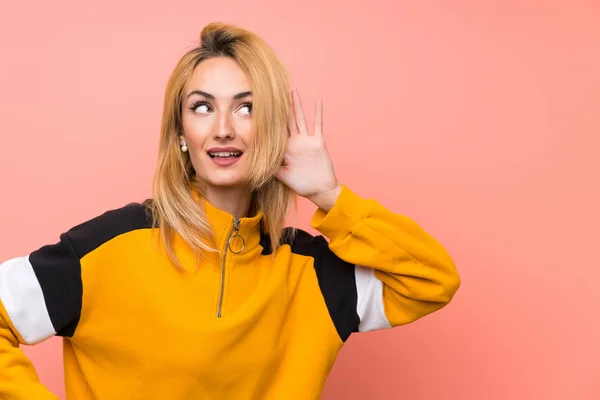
(224, 152)
(224, 156)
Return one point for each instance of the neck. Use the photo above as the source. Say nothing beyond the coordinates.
(235, 200)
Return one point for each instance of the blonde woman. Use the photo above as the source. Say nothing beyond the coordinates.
(200, 293)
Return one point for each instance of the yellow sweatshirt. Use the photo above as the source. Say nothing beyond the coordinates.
(241, 326)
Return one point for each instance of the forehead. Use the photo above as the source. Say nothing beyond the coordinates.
(219, 76)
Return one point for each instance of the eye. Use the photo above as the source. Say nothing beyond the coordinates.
(247, 107)
(201, 107)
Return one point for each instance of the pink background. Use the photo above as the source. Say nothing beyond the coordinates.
(481, 120)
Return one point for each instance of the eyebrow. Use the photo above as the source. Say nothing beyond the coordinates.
(210, 96)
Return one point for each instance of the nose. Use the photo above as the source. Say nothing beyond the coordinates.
(224, 128)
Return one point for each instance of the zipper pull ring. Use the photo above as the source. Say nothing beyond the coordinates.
(236, 227)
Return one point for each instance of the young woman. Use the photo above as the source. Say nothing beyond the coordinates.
(200, 293)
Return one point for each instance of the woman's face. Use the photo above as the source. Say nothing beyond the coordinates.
(217, 122)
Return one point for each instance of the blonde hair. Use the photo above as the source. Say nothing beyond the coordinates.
(174, 207)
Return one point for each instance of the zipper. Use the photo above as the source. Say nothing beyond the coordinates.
(233, 233)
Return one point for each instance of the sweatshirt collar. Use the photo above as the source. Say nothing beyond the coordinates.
(245, 232)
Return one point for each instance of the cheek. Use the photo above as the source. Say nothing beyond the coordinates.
(245, 131)
(196, 131)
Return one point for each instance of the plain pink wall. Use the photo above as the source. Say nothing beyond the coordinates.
(481, 120)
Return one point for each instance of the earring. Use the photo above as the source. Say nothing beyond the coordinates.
(184, 147)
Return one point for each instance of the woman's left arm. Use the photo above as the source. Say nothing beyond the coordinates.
(402, 273)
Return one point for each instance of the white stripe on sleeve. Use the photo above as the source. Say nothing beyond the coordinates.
(370, 300)
(23, 299)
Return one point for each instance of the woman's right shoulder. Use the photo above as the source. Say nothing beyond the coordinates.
(42, 291)
(109, 224)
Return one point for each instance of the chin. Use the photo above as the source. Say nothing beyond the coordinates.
(225, 182)
(231, 177)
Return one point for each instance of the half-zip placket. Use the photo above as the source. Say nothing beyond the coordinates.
(233, 233)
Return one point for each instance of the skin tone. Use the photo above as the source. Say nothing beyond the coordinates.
(217, 113)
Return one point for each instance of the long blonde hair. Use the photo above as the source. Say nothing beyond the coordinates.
(174, 208)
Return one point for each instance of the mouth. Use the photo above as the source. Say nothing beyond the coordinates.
(225, 154)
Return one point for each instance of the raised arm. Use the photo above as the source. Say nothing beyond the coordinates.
(401, 273)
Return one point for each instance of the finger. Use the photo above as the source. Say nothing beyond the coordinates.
(300, 120)
(319, 118)
(292, 127)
